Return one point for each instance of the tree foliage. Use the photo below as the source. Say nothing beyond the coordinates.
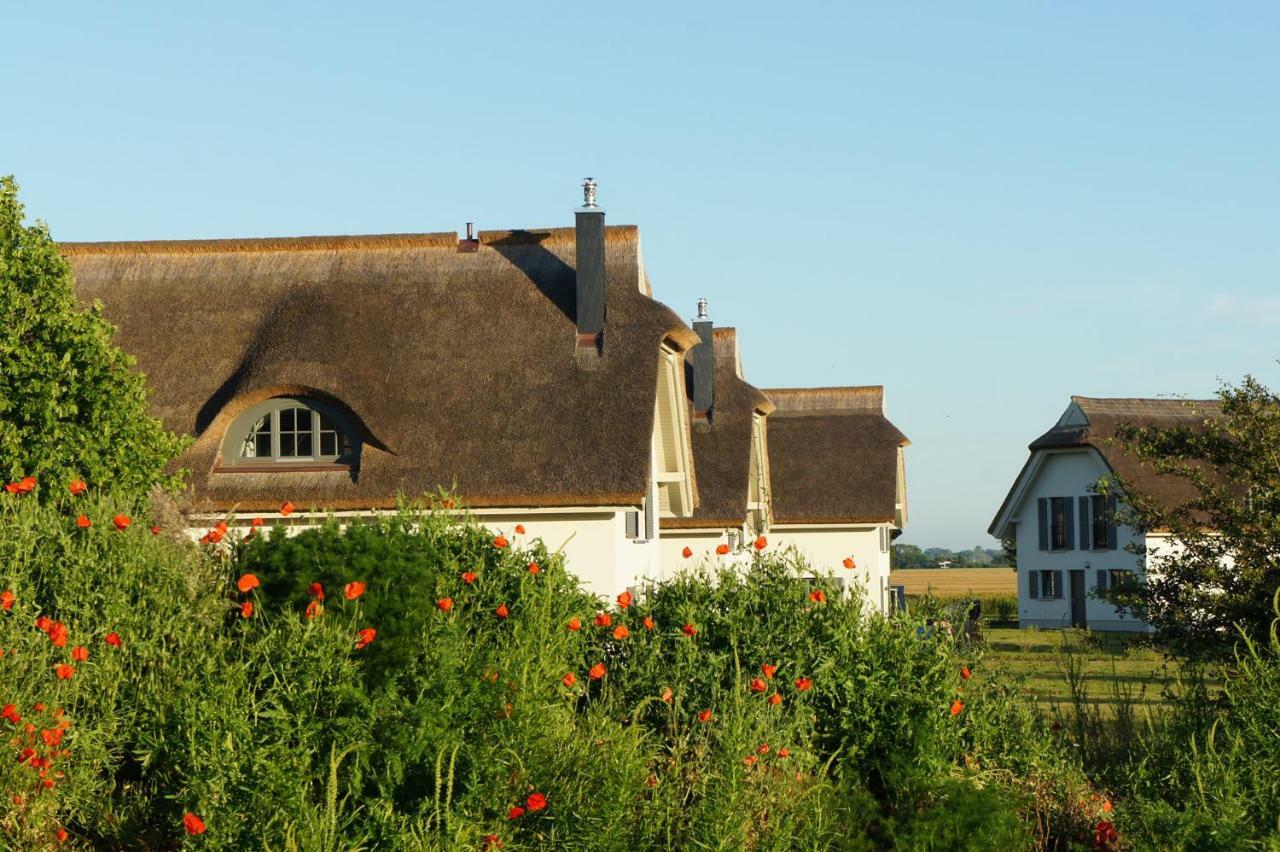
(1224, 567)
(71, 404)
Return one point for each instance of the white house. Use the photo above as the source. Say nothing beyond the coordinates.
(1068, 545)
(530, 372)
(838, 482)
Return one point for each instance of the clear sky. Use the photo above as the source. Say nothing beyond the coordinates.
(985, 207)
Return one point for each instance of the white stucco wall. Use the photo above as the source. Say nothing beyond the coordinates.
(703, 543)
(1067, 473)
(593, 540)
(826, 546)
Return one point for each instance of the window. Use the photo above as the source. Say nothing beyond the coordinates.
(1115, 578)
(1101, 531)
(290, 430)
(1044, 584)
(1058, 531)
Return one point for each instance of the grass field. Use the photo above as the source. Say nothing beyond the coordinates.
(957, 582)
(1113, 668)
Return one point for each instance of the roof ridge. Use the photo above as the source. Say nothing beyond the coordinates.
(849, 399)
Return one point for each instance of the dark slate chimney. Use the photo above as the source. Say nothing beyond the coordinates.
(704, 364)
(589, 228)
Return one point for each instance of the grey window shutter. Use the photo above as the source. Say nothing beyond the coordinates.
(1102, 579)
(1084, 523)
(1033, 584)
(633, 525)
(1069, 508)
(1057, 584)
(650, 513)
(1043, 505)
(1111, 522)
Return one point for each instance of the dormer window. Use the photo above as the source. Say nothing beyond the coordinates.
(291, 430)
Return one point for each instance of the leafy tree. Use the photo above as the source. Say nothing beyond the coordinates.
(71, 404)
(1225, 569)
(908, 556)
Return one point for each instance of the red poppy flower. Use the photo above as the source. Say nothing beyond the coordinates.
(667, 695)
(519, 529)
(687, 552)
(27, 754)
(286, 508)
(52, 737)
(750, 760)
(43, 622)
(61, 835)
(6, 599)
(501, 541)
(314, 608)
(648, 622)
(956, 707)
(365, 637)
(317, 591)
(760, 543)
(502, 611)
(10, 712)
(64, 671)
(79, 653)
(574, 624)
(803, 684)
(515, 813)
(256, 522)
(1104, 834)
(353, 590)
(704, 716)
(112, 639)
(27, 484)
(491, 841)
(763, 748)
(690, 630)
(769, 671)
(535, 568)
(77, 486)
(784, 753)
(247, 583)
(621, 632)
(604, 619)
(192, 824)
(722, 549)
(535, 802)
(122, 522)
(445, 604)
(246, 609)
(965, 674)
(220, 528)
(155, 529)
(468, 577)
(58, 634)
(757, 685)
(624, 600)
(775, 699)
(818, 596)
(83, 522)
(849, 563)
(597, 671)
(569, 679)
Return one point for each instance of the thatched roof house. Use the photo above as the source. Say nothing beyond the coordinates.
(453, 366)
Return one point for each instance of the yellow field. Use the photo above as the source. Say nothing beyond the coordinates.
(957, 582)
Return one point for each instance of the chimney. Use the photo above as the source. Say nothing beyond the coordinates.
(704, 361)
(470, 244)
(589, 229)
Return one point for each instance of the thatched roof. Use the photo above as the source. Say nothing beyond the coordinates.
(1094, 422)
(722, 452)
(458, 366)
(833, 456)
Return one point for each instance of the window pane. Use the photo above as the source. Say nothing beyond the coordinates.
(263, 441)
(286, 420)
(326, 423)
(286, 445)
(252, 447)
(328, 444)
(304, 443)
(304, 419)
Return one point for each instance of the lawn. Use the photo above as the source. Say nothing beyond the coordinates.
(957, 582)
(1114, 668)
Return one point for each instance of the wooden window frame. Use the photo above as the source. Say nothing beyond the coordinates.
(233, 460)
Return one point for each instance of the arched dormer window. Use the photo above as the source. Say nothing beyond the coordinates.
(291, 431)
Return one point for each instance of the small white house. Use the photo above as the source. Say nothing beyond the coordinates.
(1068, 545)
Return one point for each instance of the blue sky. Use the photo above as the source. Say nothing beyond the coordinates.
(984, 207)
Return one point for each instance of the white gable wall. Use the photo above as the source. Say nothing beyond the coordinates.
(826, 546)
(1067, 473)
